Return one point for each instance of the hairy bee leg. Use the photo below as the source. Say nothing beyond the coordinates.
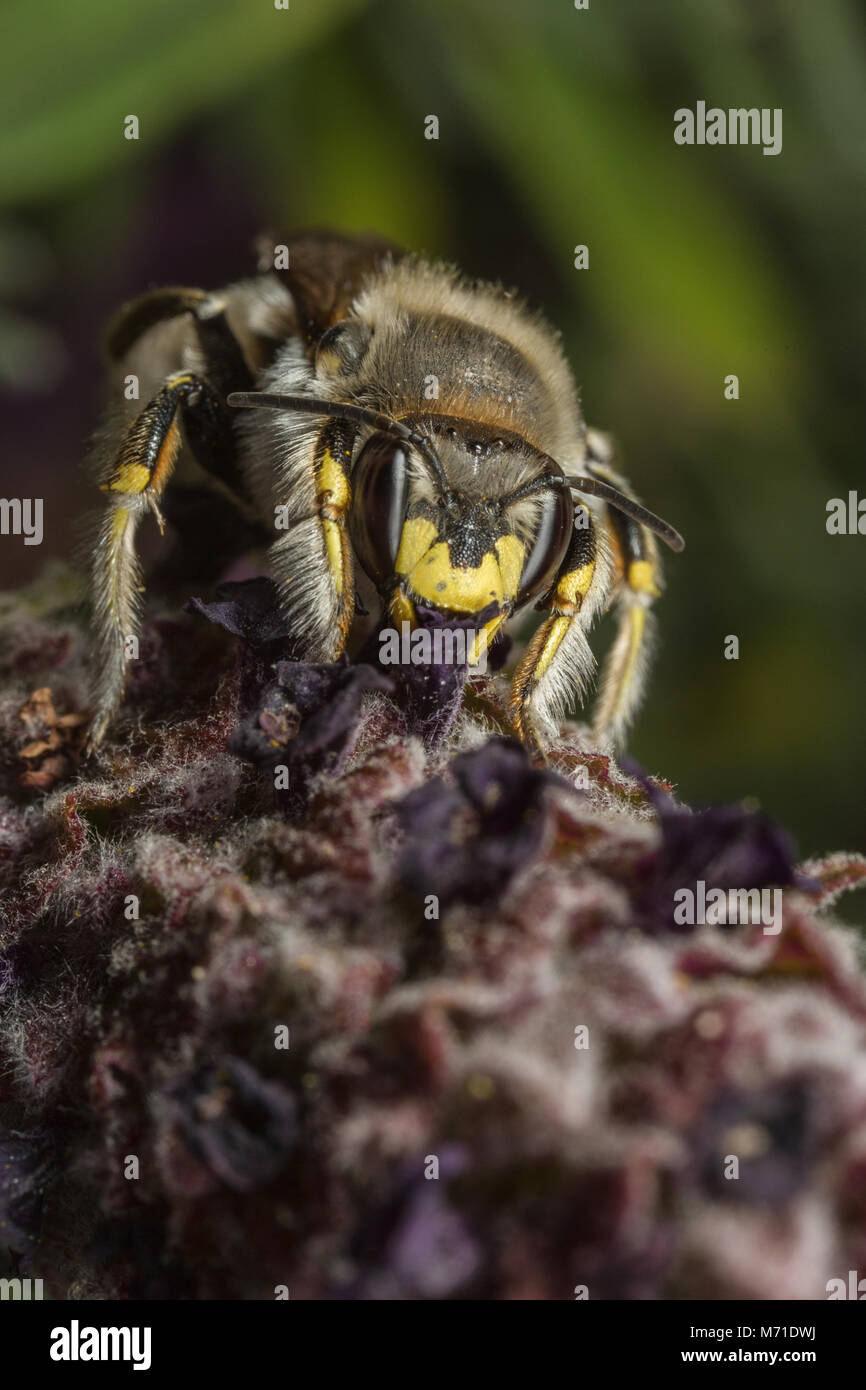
(306, 593)
(116, 577)
(333, 495)
(137, 480)
(625, 667)
(558, 660)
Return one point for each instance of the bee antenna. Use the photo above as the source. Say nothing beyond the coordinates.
(594, 487)
(340, 410)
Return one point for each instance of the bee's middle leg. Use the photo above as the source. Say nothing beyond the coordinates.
(638, 584)
(137, 478)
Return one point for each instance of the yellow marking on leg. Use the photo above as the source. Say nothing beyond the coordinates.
(636, 621)
(551, 644)
(332, 482)
(573, 588)
(134, 477)
(333, 495)
(566, 602)
(334, 538)
(641, 578)
(128, 477)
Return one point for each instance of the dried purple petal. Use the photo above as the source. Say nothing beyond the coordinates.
(248, 609)
(431, 693)
(469, 843)
(770, 1134)
(306, 716)
(418, 1245)
(241, 1126)
(726, 847)
(25, 1167)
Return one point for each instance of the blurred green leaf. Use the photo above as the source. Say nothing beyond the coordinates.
(674, 264)
(160, 61)
(366, 167)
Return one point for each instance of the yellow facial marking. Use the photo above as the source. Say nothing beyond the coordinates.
(330, 478)
(441, 583)
(641, 578)
(431, 575)
(416, 539)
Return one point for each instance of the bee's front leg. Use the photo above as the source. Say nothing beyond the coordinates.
(558, 662)
(312, 557)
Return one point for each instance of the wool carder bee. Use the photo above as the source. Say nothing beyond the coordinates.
(411, 439)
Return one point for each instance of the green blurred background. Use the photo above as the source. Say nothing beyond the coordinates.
(556, 128)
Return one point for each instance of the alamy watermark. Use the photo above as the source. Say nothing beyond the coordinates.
(21, 1290)
(22, 516)
(737, 126)
(77, 1343)
(700, 906)
(846, 517)
(853, 1288)
(439, 646)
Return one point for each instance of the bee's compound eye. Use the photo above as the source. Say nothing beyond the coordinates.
(380, 490)
(555, 525)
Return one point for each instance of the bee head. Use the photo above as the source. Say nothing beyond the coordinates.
(458, 539)
(451, 541)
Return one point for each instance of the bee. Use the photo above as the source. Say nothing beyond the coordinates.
(410, 439)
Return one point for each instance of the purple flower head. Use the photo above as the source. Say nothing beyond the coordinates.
(581, 1072)
(467, 843)
(240, 1125)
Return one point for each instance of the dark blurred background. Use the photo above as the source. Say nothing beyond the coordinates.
(556, 128)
